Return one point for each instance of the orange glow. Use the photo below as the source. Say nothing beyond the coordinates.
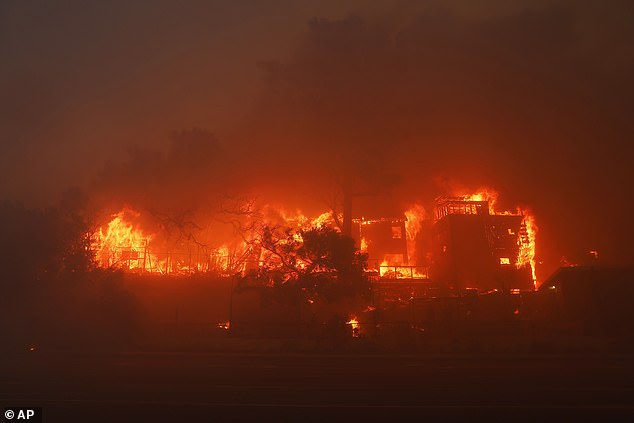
(392, 268)
(383, 268)
(222, 257)
(415, 217)
(364, 245)
(419, 273)
(122, 244)
(526, 241)
(324, 219)
(526, 255)
(299, 220)
(482, 194)
(354, 325)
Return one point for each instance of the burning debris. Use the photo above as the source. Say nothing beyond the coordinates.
(468, 243)
(390, 243)
(354, 326)
(123, 245)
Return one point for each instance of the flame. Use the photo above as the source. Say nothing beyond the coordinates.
(419, 273)
(354, 325)
(482, 194)
(222, 258)
(526, 255)
(299, 220)
(391, 267)
(526, 241)
(364, 245)
(384, 267)
(122, 245)
(324, 219)
(415, 216)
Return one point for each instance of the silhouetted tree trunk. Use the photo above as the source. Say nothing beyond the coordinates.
(347, 210)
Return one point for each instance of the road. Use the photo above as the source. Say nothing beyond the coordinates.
(183, 387)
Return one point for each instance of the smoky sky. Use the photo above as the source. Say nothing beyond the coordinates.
(532, 98)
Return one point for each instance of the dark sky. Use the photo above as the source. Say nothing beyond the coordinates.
(533, 98)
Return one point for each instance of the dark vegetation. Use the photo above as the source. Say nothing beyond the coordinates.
(316, 280)
(318, 262)
(52, 295)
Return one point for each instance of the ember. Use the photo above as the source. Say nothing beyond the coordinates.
(354, 325)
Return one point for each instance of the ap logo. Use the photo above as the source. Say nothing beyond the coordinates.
(16, 414)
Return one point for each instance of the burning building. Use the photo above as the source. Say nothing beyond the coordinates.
(474, 246)
(466, 244)
(124, 244)
(383, 239)
(145, 244)
(389, 243)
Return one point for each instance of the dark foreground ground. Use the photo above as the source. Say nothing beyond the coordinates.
(183, 387)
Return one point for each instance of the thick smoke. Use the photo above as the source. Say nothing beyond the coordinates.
(518, 103)
(532, 102)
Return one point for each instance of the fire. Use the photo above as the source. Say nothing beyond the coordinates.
(354, 325)
(526, 255)
(482, 194)
(415, 217)
(364, 245)
(419, 273)
(121, 244)
(299, 220)
(526, 242)
(324, 219)
(222, 257)
(384, 268)
(390, 268)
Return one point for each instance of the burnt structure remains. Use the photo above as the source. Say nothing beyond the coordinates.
(473, 247)
(382, 238)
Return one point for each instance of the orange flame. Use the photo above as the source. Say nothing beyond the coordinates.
(354, 325)
(526, 242)
(484, 194)
(364, 245)
(121, 244)
(526, 255)
(415, 216)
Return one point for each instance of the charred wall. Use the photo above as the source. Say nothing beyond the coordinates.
(383, 238)
(478, 251)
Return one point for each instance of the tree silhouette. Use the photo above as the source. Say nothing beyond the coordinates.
(319, 261)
